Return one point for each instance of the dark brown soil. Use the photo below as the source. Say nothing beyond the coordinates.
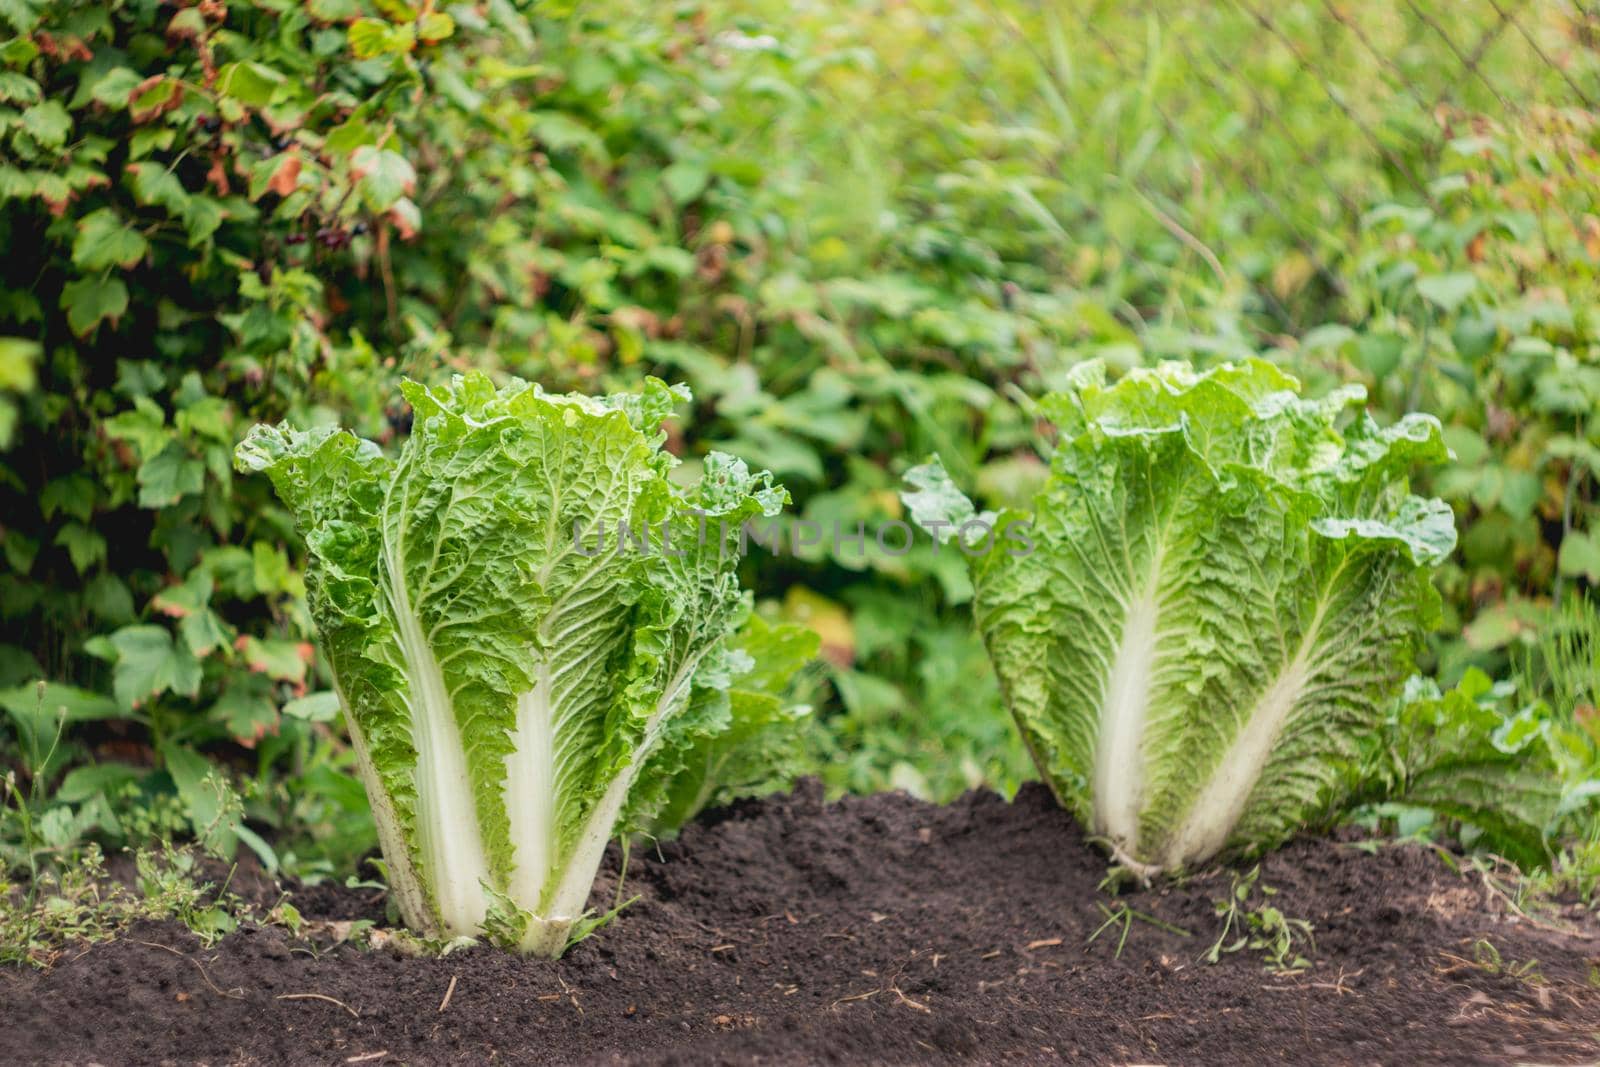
(877, 930)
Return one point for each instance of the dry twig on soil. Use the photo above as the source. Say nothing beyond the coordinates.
(319, 996)
(235, 993)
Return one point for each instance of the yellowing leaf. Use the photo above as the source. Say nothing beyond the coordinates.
(434, 27)
(370, 38)
(398, 10)
(827, 619)
(17, 358)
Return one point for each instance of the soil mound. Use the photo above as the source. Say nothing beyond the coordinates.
(872, 930)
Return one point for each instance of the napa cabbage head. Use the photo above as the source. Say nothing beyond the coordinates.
(517, 608)
(1205, 616)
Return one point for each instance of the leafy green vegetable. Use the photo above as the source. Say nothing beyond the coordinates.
(1461, 755)
(754, 744)
(1212, 604)
(508, 661)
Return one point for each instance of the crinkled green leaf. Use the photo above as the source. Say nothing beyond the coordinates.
(1462, 754)
(743, 736)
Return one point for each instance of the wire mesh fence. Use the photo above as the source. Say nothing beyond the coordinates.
(1245, 146)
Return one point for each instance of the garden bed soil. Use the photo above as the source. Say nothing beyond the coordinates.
(875, 930)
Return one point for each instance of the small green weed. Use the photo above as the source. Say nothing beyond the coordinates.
(79, 901)
(1261, 928)
(1487, 959)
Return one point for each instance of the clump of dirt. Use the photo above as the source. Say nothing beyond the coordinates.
(872, 930)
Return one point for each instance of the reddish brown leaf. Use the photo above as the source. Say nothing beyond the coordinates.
(402, 225)
(1476, 246)
(217, 175)
(287, 176)
(154, 97)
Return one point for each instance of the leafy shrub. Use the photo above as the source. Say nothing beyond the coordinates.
(1478, 306)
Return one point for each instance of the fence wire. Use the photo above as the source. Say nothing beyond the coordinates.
(1225, 133)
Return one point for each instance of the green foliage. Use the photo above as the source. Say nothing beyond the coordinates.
(67, 896)
(1478, 306)
(861, 234)
(348, 201)
(1334, 191)
(80, 902)
(1561, 674)
(1337, 191)
(17, 359)
(266, 211)
(1471, 755)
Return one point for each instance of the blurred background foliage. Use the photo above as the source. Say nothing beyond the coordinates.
(860, 232)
